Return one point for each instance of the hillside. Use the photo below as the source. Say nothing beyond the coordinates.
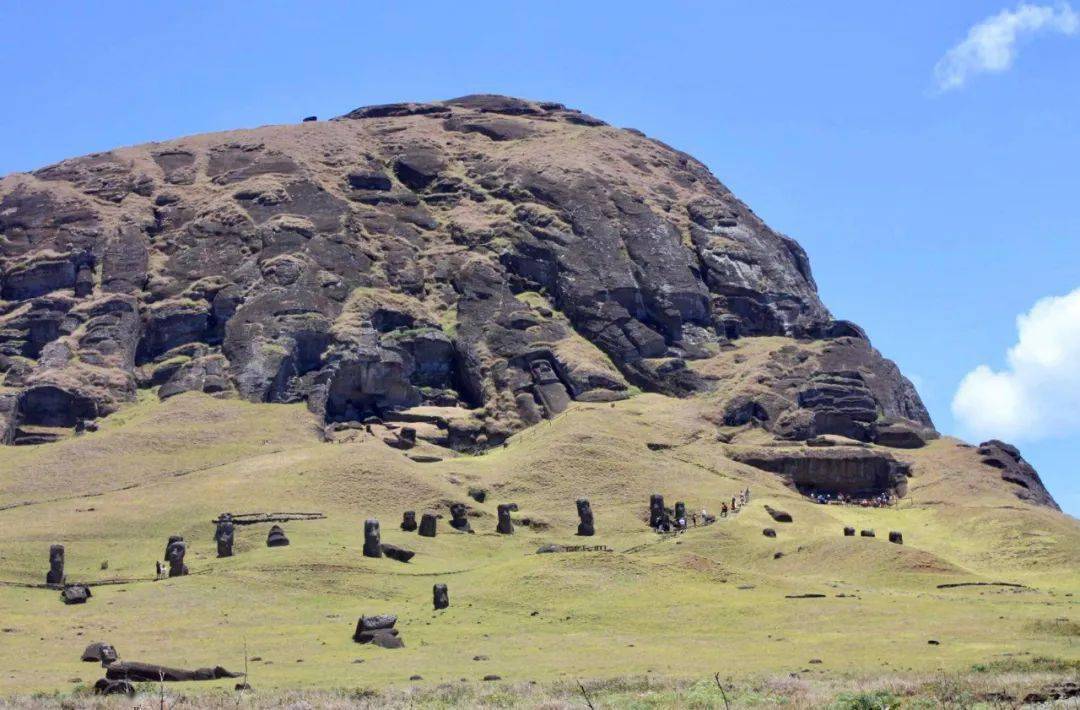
(483, 301)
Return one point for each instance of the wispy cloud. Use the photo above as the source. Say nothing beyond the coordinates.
(1038, 394)
(991, 45)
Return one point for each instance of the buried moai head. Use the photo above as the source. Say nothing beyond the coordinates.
(505, 525)
(372, 538)
(408, 521)
(459, 517)
(849, 531)
(585, 518)
(427, 524)
(276, 537)
(680, 510)
(172, 539)
(56, 565)
(441, 596)
(896, 537)
(224, 535)
(175, 554)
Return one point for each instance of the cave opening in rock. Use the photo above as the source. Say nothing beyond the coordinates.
(52, 406)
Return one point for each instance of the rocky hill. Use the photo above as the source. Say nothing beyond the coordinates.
(469, 267)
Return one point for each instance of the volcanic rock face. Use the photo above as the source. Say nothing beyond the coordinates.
(498, 256)
(1015, 470)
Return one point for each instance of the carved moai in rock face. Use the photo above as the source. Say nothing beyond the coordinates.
(459, 517)
(56, 565)
(172, 539)
(427, 524)
(442, 596)
(175, 555)
(585, 518)
(505, 525)
(408, 521)
(224, 535)
(849, 532)
(657, 514)
(276, 537)
(372, 538)
(896, 537)
(549, 388)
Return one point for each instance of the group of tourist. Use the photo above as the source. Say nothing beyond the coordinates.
(737, 502)
(881, 500)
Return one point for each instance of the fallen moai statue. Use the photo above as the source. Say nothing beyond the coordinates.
(140, 672)
(378, 630)
(104, 686)
(441, 596)
(779, 516)
(276, 537)
(56, 565)
(100, 652)
(75, 594)
(396, 553)
(585, 527)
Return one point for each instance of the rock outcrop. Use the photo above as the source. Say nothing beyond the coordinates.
(1024, 480)
(487, 255)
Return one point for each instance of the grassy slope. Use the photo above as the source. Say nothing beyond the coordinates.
(711, 600)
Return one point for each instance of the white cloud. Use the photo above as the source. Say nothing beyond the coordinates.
(990, 46)
(1038, 394)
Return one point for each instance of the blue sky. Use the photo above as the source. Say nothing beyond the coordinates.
(933, 218)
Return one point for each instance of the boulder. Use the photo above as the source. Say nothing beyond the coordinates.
(768, 532)
(75, 594)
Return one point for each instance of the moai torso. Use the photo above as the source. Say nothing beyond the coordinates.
(408, 521)
(427, 525)
(549, 388)
(442, 596)
(224, 535)
(459, 517)
(505, 525)
(585, 518)
(176, 552)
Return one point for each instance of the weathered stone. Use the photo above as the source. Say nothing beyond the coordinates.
(55, 574)
(1024, 480)
(896, 537)
(768, 532)
(276, 537)
(408, 521)
(428, 525)
(372, 542)
(441, 596)
(866, 533)
(396, 553)
(849, 532)
(505, 526)
(586, 526)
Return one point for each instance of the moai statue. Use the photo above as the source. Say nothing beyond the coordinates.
(896, 537)
(427, 525)
(442, 597)
(408, 521)
(177, 550)
(680, 513)
(172, 539)
(276, 537)
(549, 388)
(372, 541)
(505, 526)
(459, 517)
(849, 532)
(56, 565)
(657, 515)
(224, 535)
(585, 525)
